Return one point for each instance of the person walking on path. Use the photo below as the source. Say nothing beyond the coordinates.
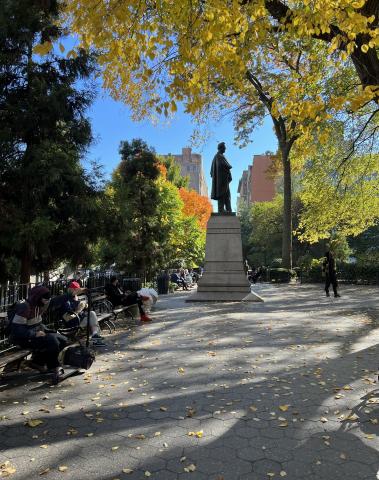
(329, 269)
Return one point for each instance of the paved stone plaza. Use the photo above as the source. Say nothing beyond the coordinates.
(283, 389)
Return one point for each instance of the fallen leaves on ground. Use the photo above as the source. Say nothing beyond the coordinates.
(44, 472)
(33, 422)
(353, 417)
(7, 469)
(190, 468)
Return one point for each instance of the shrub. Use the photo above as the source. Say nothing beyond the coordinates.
(276, 263)
(172, 287)
(305, 262)
(361, 273)
(281, 275)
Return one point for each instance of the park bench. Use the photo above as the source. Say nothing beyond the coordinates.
(99, 304)
(127, 309)
(10, 354)
(116, 309)
(104, 310)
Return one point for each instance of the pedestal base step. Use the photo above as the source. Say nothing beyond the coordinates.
(224, 297)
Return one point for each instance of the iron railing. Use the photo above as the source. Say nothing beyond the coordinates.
(14, 292)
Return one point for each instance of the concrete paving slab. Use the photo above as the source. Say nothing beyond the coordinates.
(281, 389)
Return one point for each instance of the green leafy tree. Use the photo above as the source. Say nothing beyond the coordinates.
(185, 244)
(173, 171)
(339, 191)
(49, 205)
(137, 195)
(148, 229)
(262, 232)
(365, 246)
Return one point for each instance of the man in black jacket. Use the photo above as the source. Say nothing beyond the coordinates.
(117, 297)
(330, 271)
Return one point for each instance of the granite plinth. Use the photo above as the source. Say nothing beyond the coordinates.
(224, 278)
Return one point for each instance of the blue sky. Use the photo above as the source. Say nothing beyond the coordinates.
(111, 123)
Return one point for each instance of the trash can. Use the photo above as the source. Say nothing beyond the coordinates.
(163, 281)
(132, 284)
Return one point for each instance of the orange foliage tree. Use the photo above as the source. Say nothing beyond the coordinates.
(196, 205)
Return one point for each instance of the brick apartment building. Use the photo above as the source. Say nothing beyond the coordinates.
(256, 185)
(191, 165)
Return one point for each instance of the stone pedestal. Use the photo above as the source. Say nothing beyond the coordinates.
(224, 278)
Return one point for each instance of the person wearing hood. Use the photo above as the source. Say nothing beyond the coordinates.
(28, 331)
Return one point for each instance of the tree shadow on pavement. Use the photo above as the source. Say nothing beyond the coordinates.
(270, 393)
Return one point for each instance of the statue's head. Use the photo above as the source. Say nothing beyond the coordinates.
(221, 147)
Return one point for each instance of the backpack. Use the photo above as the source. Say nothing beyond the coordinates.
(77, 356)
(11, 312)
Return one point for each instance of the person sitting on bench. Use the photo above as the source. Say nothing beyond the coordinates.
(176, 278)
(28, 332)
(74, 313)
(117, 297)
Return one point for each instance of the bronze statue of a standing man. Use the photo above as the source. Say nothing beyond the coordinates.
(221, 177)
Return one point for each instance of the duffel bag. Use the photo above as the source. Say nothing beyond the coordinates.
(77, 356)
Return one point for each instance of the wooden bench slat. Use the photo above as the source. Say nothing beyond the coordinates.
(99, 298)
(13, 357)
(123, 308)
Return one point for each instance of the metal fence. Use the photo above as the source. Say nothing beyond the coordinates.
(13, 292)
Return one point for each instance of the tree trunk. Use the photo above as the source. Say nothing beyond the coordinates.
(366, 65)
(46, 276)
(287, 211)
(26, 265)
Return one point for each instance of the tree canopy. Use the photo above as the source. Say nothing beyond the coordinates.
(150, 226)
(49, 205)
(177, 51)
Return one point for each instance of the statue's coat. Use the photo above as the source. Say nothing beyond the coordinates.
(221, 176)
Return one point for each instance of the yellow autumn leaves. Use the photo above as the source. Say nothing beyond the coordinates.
(169, 52)
(6, 469)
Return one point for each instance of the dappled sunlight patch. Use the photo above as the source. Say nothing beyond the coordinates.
(290, 395)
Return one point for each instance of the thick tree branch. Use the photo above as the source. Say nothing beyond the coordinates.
(366, 64)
